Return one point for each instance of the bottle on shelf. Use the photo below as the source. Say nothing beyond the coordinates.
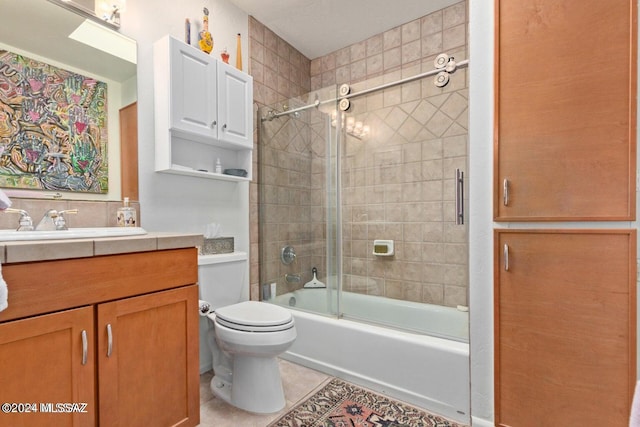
(239, 53)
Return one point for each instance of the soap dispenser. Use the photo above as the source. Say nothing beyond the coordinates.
(127, 216)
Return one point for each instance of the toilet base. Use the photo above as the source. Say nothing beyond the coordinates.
(256, 385)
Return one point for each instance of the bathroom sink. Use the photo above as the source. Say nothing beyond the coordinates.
(72, 233)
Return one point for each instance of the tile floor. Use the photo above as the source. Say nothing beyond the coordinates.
(298, 382)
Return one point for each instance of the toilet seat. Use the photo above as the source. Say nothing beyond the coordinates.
(254, 316)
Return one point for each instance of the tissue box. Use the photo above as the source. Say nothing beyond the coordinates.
(219, 245)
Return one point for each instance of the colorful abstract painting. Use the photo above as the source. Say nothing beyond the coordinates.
(53, 127)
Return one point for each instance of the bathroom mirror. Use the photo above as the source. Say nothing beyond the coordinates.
(44, 31)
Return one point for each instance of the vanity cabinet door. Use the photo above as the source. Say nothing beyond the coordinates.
(193, 90)
(235, 109)
(565, 327)
(148, 360)
(43, 362)
(565, 110)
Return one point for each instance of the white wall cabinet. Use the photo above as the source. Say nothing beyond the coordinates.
(203, 112)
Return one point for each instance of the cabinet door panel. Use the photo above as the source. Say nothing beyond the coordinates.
(565, 327)
(41, 362)
(565, 129)
(193, 90)
(235, 109)
(151, 376)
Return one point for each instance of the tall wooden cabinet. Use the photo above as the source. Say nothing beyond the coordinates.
(565, 131)
(565, 151)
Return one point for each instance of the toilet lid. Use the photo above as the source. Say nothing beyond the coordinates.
(254, 316)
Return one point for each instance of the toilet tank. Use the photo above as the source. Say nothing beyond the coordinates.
(223, 279)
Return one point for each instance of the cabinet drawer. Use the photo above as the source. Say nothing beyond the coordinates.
(48, 286)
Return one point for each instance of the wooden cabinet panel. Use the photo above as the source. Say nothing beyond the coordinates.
(41, 363)
(151, 375)
(565, 328)
(83, 281)
(129, 151)
(565, 119)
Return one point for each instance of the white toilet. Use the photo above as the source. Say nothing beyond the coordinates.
(245, 337)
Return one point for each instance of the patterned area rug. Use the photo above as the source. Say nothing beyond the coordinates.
(340, 404)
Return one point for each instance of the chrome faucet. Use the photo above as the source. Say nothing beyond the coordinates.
(47, 223)
(54, 220)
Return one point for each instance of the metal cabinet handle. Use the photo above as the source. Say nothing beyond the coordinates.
(85, 347)
(505, 192)
(224, 127)
(506, 257)
(109, 340)
(459, 197)
(214, 123)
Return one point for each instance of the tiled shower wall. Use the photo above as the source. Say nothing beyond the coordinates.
(398, 183)
(386, 178)
(279, 73)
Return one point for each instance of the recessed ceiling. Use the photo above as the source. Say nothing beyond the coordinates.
(319, 27)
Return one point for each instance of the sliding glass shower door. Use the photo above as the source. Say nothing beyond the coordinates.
(368, 190)
(295, 177)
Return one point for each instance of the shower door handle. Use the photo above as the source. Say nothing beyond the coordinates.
(459, 197)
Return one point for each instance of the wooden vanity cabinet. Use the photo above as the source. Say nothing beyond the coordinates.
(139, 315)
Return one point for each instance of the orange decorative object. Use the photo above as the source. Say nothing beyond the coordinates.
(206, 41)
(225, 56)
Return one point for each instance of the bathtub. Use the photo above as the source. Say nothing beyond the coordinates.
(429, 371)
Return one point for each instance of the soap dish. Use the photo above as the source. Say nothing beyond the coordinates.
(236, 172)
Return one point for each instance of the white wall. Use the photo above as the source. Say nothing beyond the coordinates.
(480, 209)
(172, 202)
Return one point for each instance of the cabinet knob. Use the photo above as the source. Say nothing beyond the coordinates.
(224, 127)
(214, 124)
